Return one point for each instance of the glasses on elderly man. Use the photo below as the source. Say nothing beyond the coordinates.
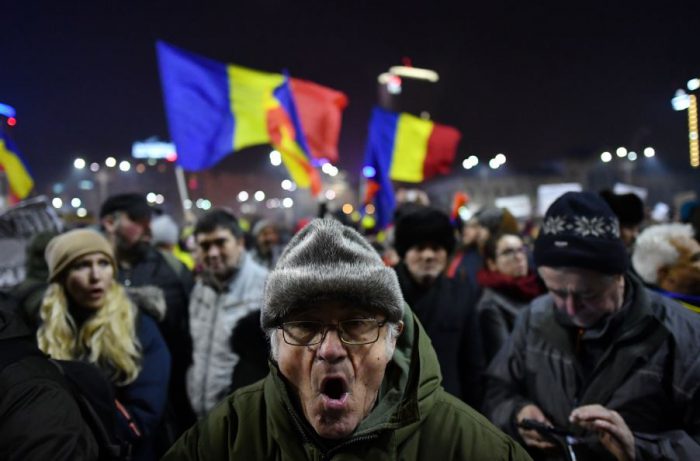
(354, 332)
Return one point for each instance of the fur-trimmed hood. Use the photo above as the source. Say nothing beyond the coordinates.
(150, 299)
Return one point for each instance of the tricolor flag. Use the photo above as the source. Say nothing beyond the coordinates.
(321, 112)
(15, 166)
(214, 109)
(402, 147)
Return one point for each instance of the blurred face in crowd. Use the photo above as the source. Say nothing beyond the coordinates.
(510, 258)
(219, 252)
(425, 262)
(629, 234)
(683, 276)
(583, 295)
(266, 239)
(337, 383)
(471, 232)
(127, 234)
(88, 279)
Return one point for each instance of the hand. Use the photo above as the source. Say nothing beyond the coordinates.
(531, 437)
(612, 430)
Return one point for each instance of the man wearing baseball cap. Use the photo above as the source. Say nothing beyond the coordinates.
(612, 366)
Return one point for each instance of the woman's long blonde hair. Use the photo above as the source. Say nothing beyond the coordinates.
(107, 339)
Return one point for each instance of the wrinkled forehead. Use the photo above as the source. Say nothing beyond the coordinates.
(574, 278)
(332, 311)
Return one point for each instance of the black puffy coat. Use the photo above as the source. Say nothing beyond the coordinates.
(39, 417)
(447, 312)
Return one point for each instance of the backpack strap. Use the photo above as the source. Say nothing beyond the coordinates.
(74, 374)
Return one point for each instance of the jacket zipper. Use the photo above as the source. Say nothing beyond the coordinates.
(329, 454)
(210, 346)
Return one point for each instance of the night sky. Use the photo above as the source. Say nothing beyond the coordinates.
(535, 80)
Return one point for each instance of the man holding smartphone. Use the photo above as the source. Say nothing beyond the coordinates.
(599, 356)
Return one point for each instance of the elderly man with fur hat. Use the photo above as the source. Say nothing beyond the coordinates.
(424, 239)
(612, 366)
(352, 374)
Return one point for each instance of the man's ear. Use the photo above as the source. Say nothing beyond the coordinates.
(108, 223)
(400, 328)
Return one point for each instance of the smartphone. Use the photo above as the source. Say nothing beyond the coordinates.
(531, 424)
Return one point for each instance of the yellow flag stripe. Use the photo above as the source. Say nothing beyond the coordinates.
(410, 148)
(294, 160)
(251, 96)
(21, 183)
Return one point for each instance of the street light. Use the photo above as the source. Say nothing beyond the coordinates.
(275, 158)
(79, 163)
(606, 157)
(683, 101)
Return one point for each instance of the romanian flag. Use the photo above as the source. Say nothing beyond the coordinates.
(21, 182)
(402, 147)
(321, 111)
(214, 109)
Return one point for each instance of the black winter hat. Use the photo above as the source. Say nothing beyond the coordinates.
(628, 208)
(423, 225)
(133, 204)
(580, 230)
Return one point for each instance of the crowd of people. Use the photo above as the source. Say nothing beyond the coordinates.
(136, 339)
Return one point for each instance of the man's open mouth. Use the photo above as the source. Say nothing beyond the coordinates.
(335, 393)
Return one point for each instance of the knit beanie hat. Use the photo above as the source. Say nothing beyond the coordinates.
(423, 225)
(164, 230)
(63, 249)
(628, 208)
(329, 261)
(580, 230)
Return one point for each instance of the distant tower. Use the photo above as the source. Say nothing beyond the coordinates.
(408, 89)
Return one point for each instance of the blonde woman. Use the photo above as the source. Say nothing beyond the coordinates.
(86, 315)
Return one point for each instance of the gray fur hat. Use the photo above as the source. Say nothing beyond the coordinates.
(329, 261)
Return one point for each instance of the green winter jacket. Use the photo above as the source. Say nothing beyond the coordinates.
(414, 419)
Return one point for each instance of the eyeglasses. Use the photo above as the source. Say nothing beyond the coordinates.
(511, 252)
(354, 332)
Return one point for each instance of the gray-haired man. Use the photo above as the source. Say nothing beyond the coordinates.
(615, 367)
(352, 376)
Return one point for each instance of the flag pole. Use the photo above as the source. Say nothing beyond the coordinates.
(182, 190)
